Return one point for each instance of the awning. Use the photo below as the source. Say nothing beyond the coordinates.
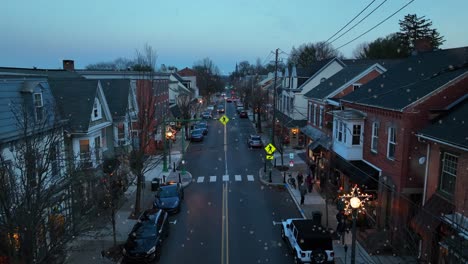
(312, 132)
(429, 217)
(321, 143)
(288, 122)
(358, 172)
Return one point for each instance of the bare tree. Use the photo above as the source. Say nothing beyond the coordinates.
(145, 125)
(183, 101)
(35, 189)
(309, 53)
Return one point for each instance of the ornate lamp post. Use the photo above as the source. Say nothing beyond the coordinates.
(354, 204)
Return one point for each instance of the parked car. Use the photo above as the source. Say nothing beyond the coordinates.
(196, 135)
(207, 115)
(203, 126)
(255, 141)
(243, 114)
(229, 99)
(308, 242)
(210, 108)
(239, 109)
(169, 197)
(145, 240)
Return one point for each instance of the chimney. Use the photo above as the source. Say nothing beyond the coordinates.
(69, 65)
(422, 45)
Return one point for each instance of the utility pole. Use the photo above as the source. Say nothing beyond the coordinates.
(274, 99)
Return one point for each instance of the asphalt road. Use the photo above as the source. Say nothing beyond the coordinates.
(230, 220)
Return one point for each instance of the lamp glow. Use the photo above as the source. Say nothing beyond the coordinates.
(355, 202)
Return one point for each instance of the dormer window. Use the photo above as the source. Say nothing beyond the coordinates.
(97, 110)
(356, 86)
(38, 107)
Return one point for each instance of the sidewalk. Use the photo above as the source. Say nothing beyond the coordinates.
(314, 202)
(87, 247)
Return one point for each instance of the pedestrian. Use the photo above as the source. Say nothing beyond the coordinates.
(303, 191)
(300, 178)
(309, 183)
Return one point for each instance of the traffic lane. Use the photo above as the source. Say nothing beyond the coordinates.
(196, 235)
(197, 231)
(254, 213)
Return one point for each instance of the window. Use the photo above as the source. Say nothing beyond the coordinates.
(38, 107)
(54, 157)
(448, 175)
(375, 136)
(340, 131)
(356, 135)
(391, 143)
(96, 110)
(97, 148)
(121, 134)
(310, 113)
(321, 117)
(315, 114)
(291, 102)
(85, 158)
(356, 86)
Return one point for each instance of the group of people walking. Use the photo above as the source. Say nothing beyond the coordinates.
(305, 185)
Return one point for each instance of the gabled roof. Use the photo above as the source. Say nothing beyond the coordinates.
(116, 92)
(185, 72)
(304, 74)
(412, 79)
(75, 98)
(323, 90)
(450, 128)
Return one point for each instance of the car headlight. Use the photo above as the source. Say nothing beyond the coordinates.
(151, 250)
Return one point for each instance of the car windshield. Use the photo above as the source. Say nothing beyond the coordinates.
(168, 191)
(197, 132)
(255, 138)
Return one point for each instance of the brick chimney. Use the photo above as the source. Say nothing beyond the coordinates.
(423, 45)
(69, 65)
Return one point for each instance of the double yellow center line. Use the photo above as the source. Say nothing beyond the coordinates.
(225, 227)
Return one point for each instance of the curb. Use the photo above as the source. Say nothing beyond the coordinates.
(266, 182)
(295, 201)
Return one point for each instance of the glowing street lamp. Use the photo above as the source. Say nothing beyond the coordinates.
(354, 203)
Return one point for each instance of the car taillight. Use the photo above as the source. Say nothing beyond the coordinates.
(303, 255)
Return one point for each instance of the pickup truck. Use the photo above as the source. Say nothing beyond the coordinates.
(309, 243)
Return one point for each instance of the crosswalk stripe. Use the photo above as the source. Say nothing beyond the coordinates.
(250, 177)
(212, 178)
(225, 177)
(200, 179)
(238, 178)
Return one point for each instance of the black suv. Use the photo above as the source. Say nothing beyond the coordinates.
(145, 240)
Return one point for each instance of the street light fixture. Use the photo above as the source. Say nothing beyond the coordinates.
(354, 203)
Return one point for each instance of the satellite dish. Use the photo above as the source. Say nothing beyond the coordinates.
(422, 160)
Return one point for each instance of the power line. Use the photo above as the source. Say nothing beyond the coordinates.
(350, 21)
(359, 22)
(381, 22)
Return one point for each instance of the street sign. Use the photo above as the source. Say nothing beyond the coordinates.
(270, 149)
(291, 163)
(269, 157)
(224, 119)
(291, 155)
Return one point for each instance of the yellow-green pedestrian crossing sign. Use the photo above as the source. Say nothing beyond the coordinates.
(224, 119)
(270, 149)
(269, 157)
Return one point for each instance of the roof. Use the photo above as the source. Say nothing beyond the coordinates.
(75, 98)
(411, 79)
(342, 77)
(52, 74)
(116, 92)
(310, 71)
(185, 72)
(178, 78)
(288, 121)
(349, 114)
(455, 121)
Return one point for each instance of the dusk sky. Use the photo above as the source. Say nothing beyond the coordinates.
(43, 33)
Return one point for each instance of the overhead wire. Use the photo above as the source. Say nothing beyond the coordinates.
(359, 22)
(365, 8)
(380, 23)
